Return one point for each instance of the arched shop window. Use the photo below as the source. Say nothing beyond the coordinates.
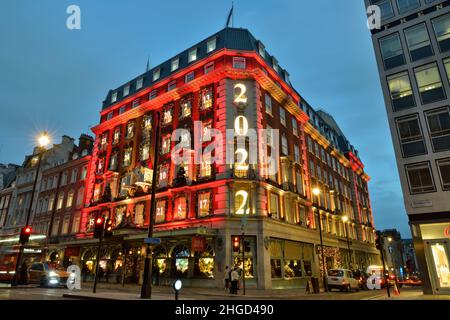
(160, 260)
(204, 263)
(179, 261)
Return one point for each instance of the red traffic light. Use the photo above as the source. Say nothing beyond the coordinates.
(27, 230)
(99, 221)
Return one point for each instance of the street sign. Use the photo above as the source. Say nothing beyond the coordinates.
(152, 240)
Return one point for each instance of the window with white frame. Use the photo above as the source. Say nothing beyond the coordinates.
(76, 223)
(269, 135)
(74, 175)
(420, 178)
(126, 90)
(211, 45)
(297, 154)
(294, 127)
(192, 55)
(284, 145)
(59, 204)
(156, 74)
(114, 97)
(444, 172)
(139, 83)
(175, 64)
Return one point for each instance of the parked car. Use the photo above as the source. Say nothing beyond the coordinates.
(6, 274)
(46, 275)
(342, 279)
(410, 281)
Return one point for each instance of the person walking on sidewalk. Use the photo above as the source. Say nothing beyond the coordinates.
(234, 280)
(226, 277)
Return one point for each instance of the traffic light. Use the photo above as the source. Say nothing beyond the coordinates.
(25, 233)
(236, 244)
(108, 228)
(378, 240)
(99, 224)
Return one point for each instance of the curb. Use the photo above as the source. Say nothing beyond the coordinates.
(76, 296)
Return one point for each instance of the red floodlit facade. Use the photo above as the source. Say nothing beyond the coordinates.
(223, 83)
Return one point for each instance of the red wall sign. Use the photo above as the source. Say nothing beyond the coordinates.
(198, 244)
(72, 251)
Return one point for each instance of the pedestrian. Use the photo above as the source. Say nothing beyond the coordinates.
(101, 272)
(23, 273)
(226, 278)
(234, 280)
(84, 272)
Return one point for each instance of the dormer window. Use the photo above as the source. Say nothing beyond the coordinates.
(261, 49)
(275, 64)
(139, 83)
(114, 97)
(126, 90)
(211, 45)
(175, 64)
(192, 55)
(156, 74)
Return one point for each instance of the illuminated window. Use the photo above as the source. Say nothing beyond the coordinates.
(400, 91)
(429, 82)
(130, 130)
(127, 157)
(100, 167)
(204, 199)
(269, 135)
(241, 202)
(205, 166)
(274, 207)
(113, 162)
(80, 196)
(59, 204)
(239, 62)
(180, 208)
(294, 127)
(116, 137)
(76, 223)
(160, 211)
(139, 215)
(163, 175)
(297, 154)
(69, 200)
(284, 145)
(166, 144)
(144, 152)
(206, 130)
(174, 64)
(192, 55)
(147, 122)
(51, 202)
(206, 100)
(186, 107)
(211, 45)
(156, 74)
(299, 183)
(167, 116)
(180, 261)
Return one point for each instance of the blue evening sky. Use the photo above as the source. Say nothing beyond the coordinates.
(56, 79)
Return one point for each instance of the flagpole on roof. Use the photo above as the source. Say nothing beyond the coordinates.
(148, 64)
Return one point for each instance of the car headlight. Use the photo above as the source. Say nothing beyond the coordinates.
(53, 274)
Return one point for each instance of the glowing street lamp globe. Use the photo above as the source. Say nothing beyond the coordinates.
(345, 219)
(316, 191)
(43, 139)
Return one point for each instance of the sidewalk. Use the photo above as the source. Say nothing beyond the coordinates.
(132, 292)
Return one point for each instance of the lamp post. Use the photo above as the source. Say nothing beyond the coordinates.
(350, 257)
(43, 140)
(146, 290)
(316, 192)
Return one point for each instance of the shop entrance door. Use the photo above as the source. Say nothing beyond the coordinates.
(439, 257)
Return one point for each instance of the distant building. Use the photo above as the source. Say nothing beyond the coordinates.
(393, 251)
(412, 49)
(409, 257)
(7, 184)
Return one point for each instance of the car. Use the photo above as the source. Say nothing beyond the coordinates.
(46, 275)
(410, 281)
(342, 279)
(362, 277)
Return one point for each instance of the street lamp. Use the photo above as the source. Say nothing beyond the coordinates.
(43, 141)
(350, 258)
(316, 191)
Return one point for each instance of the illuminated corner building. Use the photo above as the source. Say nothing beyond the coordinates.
(412, 49)
(228, 81)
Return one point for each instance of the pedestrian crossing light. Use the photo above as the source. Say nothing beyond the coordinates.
(236, 244)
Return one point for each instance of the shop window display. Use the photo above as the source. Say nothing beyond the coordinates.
(180, 261)
(160, 260)
(204, 263)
